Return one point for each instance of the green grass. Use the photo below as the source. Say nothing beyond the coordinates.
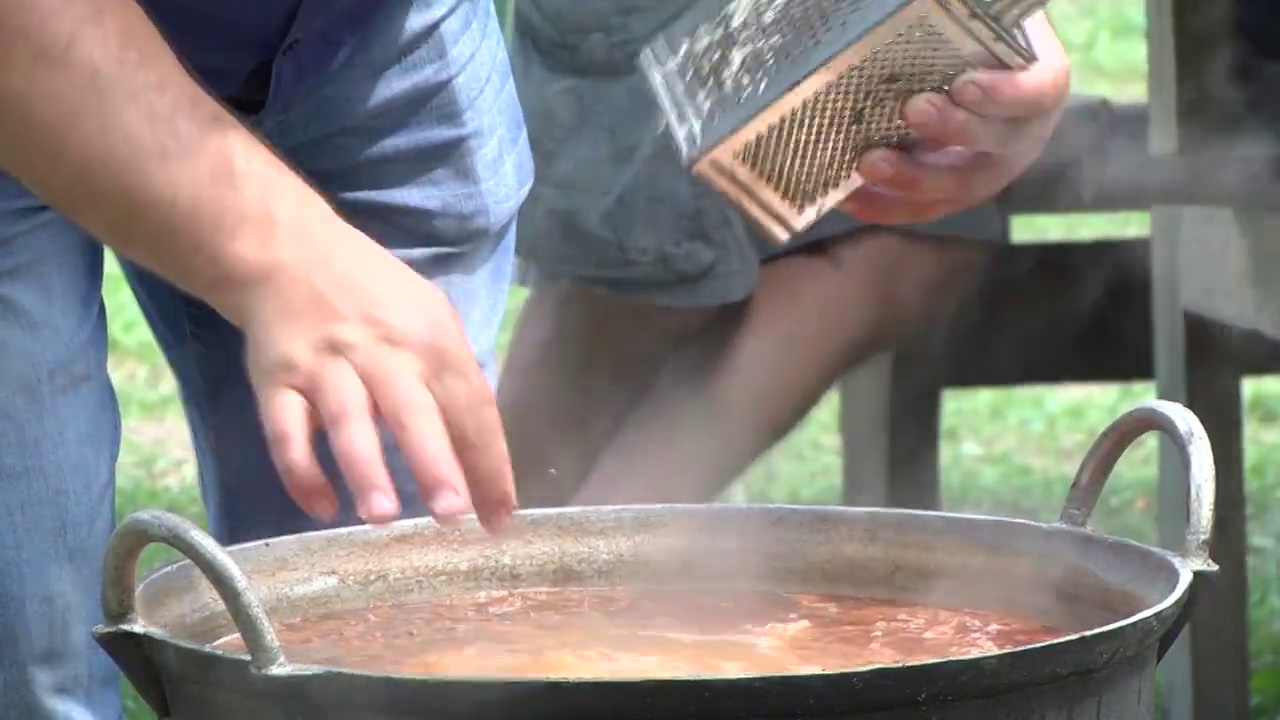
(1005, 451)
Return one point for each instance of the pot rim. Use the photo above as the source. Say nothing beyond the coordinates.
(1186, 572)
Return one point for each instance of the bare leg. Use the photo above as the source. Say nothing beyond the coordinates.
(578, 362)
(726, 396)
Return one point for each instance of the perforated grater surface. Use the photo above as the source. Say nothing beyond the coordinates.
(773, 102)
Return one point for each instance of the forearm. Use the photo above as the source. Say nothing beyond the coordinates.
(99, 119)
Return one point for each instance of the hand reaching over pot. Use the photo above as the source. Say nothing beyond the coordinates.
(346, 334)
(974, 141)
(339, 332)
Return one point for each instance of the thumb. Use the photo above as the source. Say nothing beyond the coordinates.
(1036, 90)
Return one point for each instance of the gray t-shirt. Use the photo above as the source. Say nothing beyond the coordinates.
(612, 204)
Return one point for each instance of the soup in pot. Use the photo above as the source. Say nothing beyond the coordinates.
(585, 633)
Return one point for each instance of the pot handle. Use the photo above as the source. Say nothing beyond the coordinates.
(1192, 443)
(122, 633)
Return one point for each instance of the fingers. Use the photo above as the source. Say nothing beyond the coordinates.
(896, 173)
(877, 208)
(343, 404)
(443, 414)
(989, 110)
(901, 189)
(470, 414)
(413, 417)
(1036, 90)
(341, 399)
(286, 419)
(939, 121)
(999, 118)
(1009, 95)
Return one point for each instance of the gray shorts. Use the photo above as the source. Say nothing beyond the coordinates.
(612, 206)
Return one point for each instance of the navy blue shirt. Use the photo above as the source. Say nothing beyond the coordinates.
(241, 48)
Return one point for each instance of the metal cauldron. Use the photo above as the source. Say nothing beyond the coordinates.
(1124, 602)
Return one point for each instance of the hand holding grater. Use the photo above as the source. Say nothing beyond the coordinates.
(774, 102)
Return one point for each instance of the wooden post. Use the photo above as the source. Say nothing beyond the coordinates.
(890, 407)
(865, 400)
(1206, 675)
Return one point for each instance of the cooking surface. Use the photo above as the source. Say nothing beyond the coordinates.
(634, 633)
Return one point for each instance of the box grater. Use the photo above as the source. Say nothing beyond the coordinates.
(773, 102)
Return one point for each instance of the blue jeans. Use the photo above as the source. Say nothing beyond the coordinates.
(417, 137)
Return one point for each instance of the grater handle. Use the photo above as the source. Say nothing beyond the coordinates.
(1010, 13)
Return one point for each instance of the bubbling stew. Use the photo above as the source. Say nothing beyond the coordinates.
(584, 633)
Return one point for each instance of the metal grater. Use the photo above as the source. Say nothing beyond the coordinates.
(773, 102)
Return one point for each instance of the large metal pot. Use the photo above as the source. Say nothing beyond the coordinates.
(1125, 603)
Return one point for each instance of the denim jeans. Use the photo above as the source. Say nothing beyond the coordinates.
(416, 136)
